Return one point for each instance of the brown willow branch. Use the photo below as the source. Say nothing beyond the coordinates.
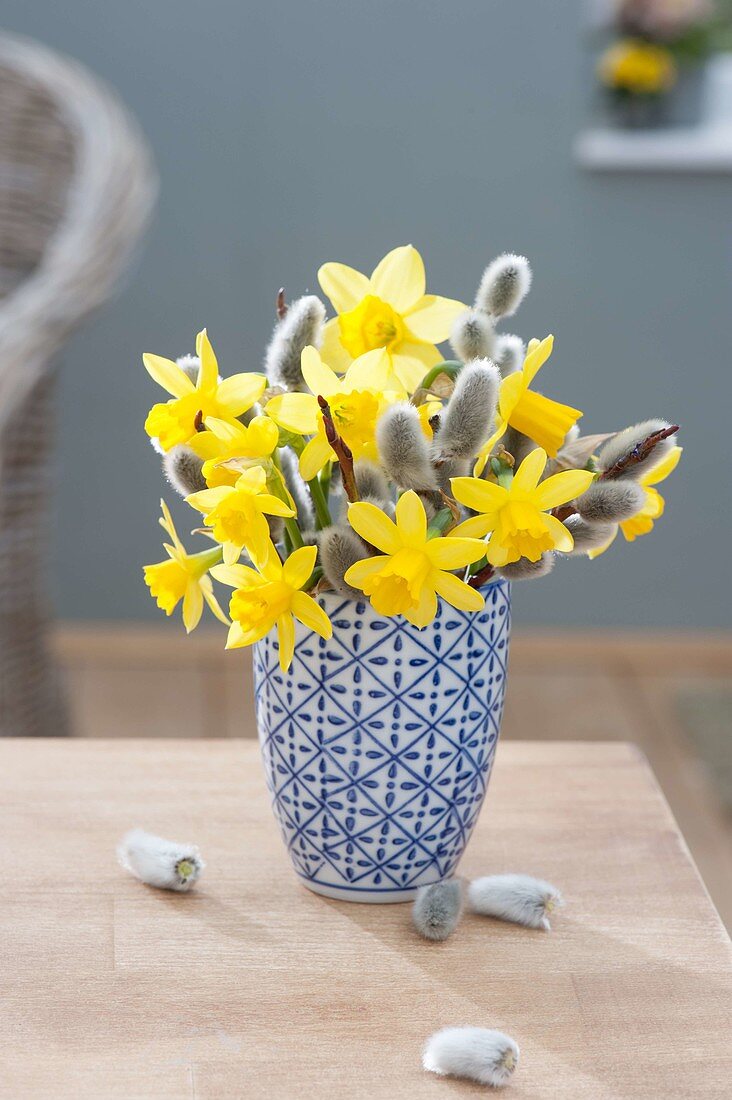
(482, 576)
(342, 451)
(640, 452)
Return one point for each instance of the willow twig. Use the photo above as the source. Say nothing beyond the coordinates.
(640, 452)
(482, 576)
(342, 451)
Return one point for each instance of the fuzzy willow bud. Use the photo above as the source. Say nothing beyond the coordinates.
(301, 326)
(467, 421)
(588, 536)
(525, 570)
(624, 442)
(183, 469)
(509, 354)
(477, 1053)
(611, 501)
(159, 862)
(340, 548)
(504, 285)
(437, 909)
(473, 336)
(516, 898)
(403, 448)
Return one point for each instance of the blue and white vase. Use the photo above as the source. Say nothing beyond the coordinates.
(378, 744)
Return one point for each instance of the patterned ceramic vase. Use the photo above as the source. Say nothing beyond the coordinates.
(378, 744)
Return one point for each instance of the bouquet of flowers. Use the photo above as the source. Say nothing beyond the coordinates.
(360, 460)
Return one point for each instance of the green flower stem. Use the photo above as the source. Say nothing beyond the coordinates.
(315, 576)
(450, 367)
(322, 512)
(206, 559)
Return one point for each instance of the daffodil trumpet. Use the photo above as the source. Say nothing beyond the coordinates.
(446, 508)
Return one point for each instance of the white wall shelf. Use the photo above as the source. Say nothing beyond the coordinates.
(697, 149)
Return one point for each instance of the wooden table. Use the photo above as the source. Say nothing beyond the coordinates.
(253, 987)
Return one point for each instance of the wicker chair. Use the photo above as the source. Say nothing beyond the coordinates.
(76, 189)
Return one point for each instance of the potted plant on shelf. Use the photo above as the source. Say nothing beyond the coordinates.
(368, 504)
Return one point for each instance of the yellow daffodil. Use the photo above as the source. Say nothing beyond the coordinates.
(390, 310)
(642, 522)
(356, 400)
(413, 569)
(223, 441)
(270, 597)
(637, 68)
(237, 514)
(541, 419)
(183, 577)
(176, 421)
(517, 516)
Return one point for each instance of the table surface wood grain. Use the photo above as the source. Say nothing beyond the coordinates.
(251, 986)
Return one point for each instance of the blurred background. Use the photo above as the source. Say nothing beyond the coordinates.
(594, 138)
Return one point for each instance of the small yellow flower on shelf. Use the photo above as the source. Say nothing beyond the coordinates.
(389, 310)
(541, 419)
(239, 444)
(642, 522)
(637, 68)
(183, 577)
(356, 401)
(271, 596)
(414, 567)
(176, 421)
(237, 514)
(516, 516)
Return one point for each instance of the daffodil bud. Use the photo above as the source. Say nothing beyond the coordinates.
(183, 469)
(437, 909)
(190, 365)
(301, 326)
(505, 283)
(621, 445)
(611, 501)
(159, 862)
(403, 448)
(473, 336)
(520, 899)
(371, 483)
(509, 354)
(467, 421)
(476, 1053)
(340, 548)
(525, 570)
(588, 536)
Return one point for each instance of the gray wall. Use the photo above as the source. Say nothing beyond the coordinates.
(290, 133)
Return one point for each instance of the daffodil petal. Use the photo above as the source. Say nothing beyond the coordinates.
(454, 553)
(311, 614)
(208, 375)
(223, 430)
(314, 456)
(369, 372)
(399, 278)
(296, 412)
(363, 569)
(286, 638)
(559, 488)
(207, 499)
(411, 519)
(374, 526)
(433, 317)
(344, 285)
(478, 494)
(192, 606)
(213, 603)
(457, 592)
(237, 576)
(536, 357)
(498, 555)
(168, 375)
(426, 608)
(238, 393)
(319, 377)
(474, 528)
(562, 538)
(665, 467)
(299, 566)
(411, 361)
(526, 477)
(332, 351)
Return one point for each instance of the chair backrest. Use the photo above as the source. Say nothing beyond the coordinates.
(77, 187)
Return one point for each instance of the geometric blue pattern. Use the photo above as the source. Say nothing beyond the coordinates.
(378, 744)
